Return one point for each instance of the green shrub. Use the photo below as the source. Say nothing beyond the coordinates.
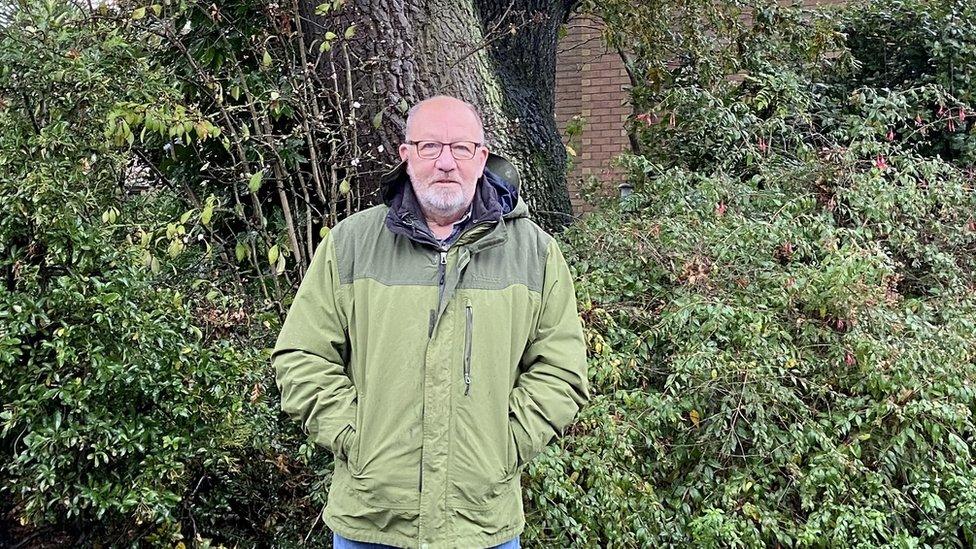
(133, 395)
(781, 318)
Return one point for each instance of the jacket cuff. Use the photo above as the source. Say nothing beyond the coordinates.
(341, 445)
(524, 448)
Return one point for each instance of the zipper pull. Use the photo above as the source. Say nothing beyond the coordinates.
(442, 268)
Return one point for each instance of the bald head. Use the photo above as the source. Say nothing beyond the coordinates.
(445, 107)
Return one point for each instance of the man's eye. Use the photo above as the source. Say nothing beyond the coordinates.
(430, 147)
(464, 148)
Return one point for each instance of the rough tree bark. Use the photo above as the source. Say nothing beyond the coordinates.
(500, 56)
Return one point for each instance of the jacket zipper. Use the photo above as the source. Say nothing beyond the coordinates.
(467, 348)
(442, 267)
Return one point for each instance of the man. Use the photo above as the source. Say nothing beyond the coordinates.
(434, 346)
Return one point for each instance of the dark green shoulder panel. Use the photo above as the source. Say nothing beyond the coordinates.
(521, 259)
(365, 248)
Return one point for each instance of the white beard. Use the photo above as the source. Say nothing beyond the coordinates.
(444, 201)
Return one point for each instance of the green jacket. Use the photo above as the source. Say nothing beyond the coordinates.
(433, 375)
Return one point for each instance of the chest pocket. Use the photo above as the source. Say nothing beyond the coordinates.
(483, 456)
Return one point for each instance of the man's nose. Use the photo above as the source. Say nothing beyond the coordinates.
(445, 162)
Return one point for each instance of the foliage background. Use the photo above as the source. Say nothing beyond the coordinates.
(780, 320)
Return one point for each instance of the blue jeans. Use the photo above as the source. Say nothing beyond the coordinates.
(339, 542)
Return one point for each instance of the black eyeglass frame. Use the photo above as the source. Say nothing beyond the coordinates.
(440, 151)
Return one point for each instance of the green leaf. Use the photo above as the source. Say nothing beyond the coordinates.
(201, 130)
(175, 247)
(255, 182)
(138, 13)
(323, 231)
(344, 187)
(323, 9)
(378, 119)
(273, 254)
(206, 214)
(266, 59)
(240, 251)
(350, 32)
(329, 35)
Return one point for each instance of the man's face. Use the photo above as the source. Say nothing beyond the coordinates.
(444, 185)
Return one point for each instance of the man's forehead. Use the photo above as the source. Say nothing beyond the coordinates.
(436, 117)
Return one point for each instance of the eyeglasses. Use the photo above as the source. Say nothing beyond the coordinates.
(460, 150)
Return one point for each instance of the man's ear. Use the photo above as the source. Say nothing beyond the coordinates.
(403, 149)
(483, 157)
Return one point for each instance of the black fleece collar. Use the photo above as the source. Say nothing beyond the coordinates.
(405, 216)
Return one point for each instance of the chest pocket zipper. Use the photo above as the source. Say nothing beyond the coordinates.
(469, 321)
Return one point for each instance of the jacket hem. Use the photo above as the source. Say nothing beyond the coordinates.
(396, 540)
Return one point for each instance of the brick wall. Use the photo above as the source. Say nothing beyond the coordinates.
(591, 82)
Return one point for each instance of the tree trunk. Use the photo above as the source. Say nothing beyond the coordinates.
(499, 56)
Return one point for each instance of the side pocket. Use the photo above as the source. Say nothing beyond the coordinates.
(468, 327)
(355, 439)
(353, 458)
(342, 444)
(512, 455)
